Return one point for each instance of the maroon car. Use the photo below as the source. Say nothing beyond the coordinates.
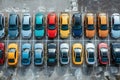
(2, 53)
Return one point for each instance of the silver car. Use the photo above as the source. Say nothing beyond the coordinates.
(2, 25)
(115, 25)
(26, 26)
(64, 53)
(90, 53)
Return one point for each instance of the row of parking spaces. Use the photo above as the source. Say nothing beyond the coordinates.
(17, 26)
(63, 52)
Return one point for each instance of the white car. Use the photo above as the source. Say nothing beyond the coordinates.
(26, 26)
(64, 53)
(2, 25)
(90, 53)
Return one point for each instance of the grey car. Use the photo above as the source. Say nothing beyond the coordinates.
(64, 53)
(26, 26)
(2, 25)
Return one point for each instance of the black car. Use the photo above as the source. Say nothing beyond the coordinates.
(115, 53)
(51, 54)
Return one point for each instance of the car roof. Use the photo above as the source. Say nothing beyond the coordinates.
(103, 19)
(11, 55)
(38, 54)
(12, 19)
(25, 54)
(90, 19)
(116, 19)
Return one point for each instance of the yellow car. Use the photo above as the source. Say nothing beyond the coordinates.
(64, 25)
(13, 54)
(77, 54)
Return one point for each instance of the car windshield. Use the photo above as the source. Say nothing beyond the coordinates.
(39, 27)
(25, 60)
(77, 27)
(64, 27)
(51, 26)
(90, 27)
(104, 52)
(26, 27)
(103, 27)
(77, 52)
(116, 27)
(117, 52)
(11, 60)
(38, 60)
(11, 50)
(1, 27)
(12, 27)
(1, 54)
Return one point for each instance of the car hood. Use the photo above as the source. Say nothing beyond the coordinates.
(13, 33)
(26, 33)
(52, 33)
(64, 33)
(90, 33)
(39, 33)
(77, 32)
(115, 34)
(103, 33)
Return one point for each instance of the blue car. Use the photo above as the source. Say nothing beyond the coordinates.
(13, 28)
(26, 54)
(115, 53)
(115, 25)
(2, 25)
(77, 25)
(39, 26)
(39, 54)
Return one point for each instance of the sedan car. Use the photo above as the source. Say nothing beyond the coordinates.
(52, 25)
(64, 53)
(90, 53)
(115, 53)
(102, 25)
(64, 25)
(77, 54)
(13, 28)
(2, 25)
(13, 54)
(103, 54)
(115, 25)
(39, 26)
(26, 54)
(89, 25)
(2, 53)
(51, 54)
(26, 31)
(39, 54)
(77, 25)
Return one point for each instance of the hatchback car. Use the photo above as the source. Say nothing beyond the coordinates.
(64, 53)
(77, 25)
(115, 53)
(52, 25)
(77, 54)
(64, 25)
(2, 25)
(26, 31)
(39, 26)
(51, 54)
(39, 54)
(13, 28)
(2, 53)
(13, 54)
(89, 25)
(26, 54)
(115, 25)
(103, 54)
(102, 25)
(90, 53)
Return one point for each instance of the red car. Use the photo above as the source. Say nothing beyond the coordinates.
(52, 25)
(103, 53)
(2, 53)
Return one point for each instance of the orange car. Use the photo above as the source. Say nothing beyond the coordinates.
(89, 25)
(102, 25)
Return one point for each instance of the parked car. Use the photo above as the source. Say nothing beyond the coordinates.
(26, 54)
(90, 53)
(77, 54)
(51, 54)
(13, 28)
(39, 26)
(39, 54)
(2, 53)
(102, 25)
(52, 27)
(115, 53)
(115, 25)
(26, 26)
(64, 53)
(89, 24)
(77, 25)
(2, 25)
(64, 25)
(13, 54)
(103, 54)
